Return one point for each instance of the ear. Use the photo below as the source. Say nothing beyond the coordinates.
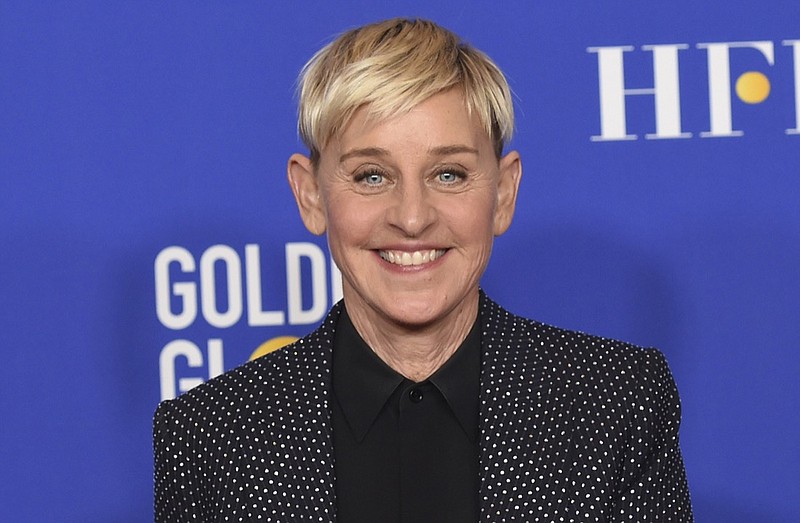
(306, 191)
(507, 189)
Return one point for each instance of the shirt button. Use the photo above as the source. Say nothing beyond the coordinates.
(415, 395)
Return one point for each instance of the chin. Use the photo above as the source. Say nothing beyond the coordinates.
(417, 314)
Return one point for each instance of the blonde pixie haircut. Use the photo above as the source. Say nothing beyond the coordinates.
(393, 66)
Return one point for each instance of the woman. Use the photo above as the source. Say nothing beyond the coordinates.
(420, 399)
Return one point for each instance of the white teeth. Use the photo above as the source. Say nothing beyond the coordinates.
(405, 258)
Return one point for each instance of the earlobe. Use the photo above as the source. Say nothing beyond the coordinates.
(507, 189)
(306, 190)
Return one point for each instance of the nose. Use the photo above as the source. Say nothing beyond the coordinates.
(412, 210)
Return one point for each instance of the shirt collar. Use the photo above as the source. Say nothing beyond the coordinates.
(459, 381)
(363, 383)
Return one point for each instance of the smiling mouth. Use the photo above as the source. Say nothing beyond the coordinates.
(406, 259)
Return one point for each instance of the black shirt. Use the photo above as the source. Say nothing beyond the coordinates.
(404, 451)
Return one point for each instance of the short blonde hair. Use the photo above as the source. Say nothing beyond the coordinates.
(393, 66)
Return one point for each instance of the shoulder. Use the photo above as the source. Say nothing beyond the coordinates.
(295, 373)
(581, 359)
(612, 386)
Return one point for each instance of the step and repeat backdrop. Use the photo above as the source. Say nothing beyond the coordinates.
(149, 240)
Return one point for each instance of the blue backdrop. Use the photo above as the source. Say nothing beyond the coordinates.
(149, 238)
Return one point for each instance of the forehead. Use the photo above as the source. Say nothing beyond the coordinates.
(439, 121)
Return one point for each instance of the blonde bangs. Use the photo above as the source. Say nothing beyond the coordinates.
(392, 67)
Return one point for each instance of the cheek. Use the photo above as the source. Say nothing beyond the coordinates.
(349, 222)
(474, 219)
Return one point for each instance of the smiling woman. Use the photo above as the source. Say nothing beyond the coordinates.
(419, 399)
(422, 186)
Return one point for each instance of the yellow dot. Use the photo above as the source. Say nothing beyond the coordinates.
(752, 87)
(272, 345)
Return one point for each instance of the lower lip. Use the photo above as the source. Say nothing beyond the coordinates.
(412, 268)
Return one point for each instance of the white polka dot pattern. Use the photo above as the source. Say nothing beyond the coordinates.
(574, 428)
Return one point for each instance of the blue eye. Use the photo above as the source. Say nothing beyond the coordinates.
(371, 178)
(448, 176)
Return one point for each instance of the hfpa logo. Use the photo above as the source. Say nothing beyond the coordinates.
(751, 87)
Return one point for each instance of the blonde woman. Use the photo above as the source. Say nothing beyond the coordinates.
(419, 399)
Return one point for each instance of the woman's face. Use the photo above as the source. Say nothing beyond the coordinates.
(411, 206)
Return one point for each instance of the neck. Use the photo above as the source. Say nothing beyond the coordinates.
(415, 351)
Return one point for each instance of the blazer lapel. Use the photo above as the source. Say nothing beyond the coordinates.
(302, 442)
(524, 429)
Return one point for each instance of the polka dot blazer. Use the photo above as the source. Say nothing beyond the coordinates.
(573, 428)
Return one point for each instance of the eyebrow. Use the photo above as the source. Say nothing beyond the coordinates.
(442, 150)
(445, 150)
(366, 151)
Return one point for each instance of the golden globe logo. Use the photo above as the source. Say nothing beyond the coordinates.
(186, 291)
(751, 87)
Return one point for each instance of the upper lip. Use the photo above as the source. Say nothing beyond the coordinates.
(411, 248)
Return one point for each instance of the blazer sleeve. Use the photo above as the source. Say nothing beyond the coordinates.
(175, 486)
(654, 476)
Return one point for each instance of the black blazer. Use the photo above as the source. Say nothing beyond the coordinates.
(572, 428)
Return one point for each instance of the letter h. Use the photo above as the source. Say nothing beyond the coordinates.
(665, 91)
